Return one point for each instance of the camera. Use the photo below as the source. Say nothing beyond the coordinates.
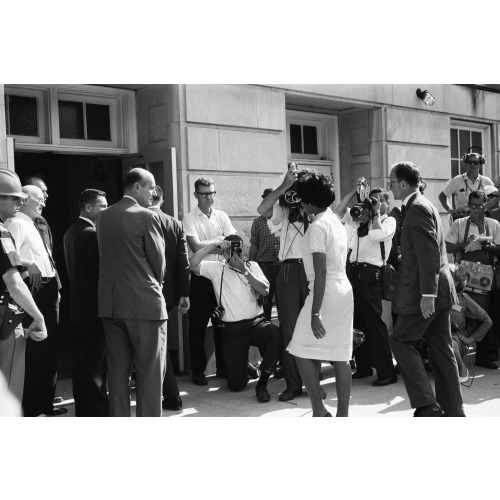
(362, 212)
(235, 248)
(216, 316)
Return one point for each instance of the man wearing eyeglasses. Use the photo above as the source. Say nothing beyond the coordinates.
(460, 187)
(477, 239)
(493, 211)
(204, 226)
(41, 357)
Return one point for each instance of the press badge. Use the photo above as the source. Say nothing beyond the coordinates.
(456, 307)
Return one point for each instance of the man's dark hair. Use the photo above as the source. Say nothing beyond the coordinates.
(158, 196)
(203, 181)
(407, 171)
(233, 237)
(384, 194)
(315, 188)
(89, 196)
(135, 175)
(478, 194)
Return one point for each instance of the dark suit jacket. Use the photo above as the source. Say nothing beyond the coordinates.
(176, 281)
(424, 263)
(132, 262)
(82, 264)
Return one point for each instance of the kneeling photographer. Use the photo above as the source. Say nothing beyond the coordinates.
(369, 235)
(238, 286)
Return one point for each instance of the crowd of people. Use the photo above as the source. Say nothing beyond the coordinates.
(129, 265)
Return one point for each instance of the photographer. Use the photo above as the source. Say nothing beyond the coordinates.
(286, 219)
(240, 320)
(368, 228)
(477, 239)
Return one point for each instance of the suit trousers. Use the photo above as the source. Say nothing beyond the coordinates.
(141, 343)
(12, 362)
(41, 357)
(292, 289)
(170, 388)
(90, 371)
(437, 331)
(202, 303)
(270, 270)
(236, 339)
(367, 292)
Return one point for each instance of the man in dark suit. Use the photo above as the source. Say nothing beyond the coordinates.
(423, 297)
(175, 287)
(82, 263)
(131, 303)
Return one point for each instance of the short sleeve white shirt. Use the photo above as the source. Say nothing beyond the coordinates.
(238, 297)
(289, 233)
(461, 187)
(196, 223)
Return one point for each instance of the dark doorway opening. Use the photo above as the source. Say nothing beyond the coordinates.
(66, 177)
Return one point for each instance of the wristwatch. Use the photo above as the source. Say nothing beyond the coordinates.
(246, 273)
(376, 214)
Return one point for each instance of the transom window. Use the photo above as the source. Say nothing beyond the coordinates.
(81, 120)
(22, 115)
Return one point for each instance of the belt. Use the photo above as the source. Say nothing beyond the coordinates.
(229, 323)
(47, 280)
(292, 261)
(364, 264)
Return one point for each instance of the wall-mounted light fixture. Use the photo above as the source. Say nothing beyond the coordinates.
(425, 96)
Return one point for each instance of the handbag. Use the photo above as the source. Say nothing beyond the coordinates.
(11, 316)
(388, 277)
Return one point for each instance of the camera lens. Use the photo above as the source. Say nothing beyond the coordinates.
(356, 212)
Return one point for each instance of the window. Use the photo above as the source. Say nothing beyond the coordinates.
(304, 139)
(461, 139)
(79, 120)
(22, 115)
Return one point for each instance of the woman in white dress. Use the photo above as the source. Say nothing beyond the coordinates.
(324, 328)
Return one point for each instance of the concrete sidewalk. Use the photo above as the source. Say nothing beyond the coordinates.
(482, 399)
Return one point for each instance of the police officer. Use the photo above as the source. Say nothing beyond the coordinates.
(14, 290)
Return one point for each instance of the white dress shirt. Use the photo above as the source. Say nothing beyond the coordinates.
(29, 243)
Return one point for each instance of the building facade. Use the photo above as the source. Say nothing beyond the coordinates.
(82, 136)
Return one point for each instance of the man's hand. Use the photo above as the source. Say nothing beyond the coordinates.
(37, 331)
(184, 305)
(427, 306)
(35, 276)
(375, 207)
(236, 263)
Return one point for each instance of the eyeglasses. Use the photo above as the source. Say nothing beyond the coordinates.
(390, 183)
(39, 200)
(477, 207)
(473, 162)
(493, 196)
(206, 195)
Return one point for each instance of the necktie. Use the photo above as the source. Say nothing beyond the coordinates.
(403, 210)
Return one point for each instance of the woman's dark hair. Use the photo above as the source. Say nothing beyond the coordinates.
(315, 188)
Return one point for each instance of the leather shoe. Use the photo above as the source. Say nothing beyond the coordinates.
(262, 395)
(487, 364)
(289, 394)
(381, 382)
(433, 410)
(199, 379)
(57, 400)
(56, 411)
(357, 374)
(174, 403)
(253, 371)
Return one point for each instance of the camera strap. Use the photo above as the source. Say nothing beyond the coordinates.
(221, 281)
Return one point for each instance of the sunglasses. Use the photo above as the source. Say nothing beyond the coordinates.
(473, 162)
(473, 206)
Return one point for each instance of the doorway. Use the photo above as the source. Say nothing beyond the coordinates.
(66, 177)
